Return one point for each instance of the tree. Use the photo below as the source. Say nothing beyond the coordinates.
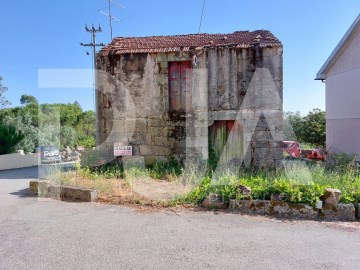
(43, 124)
(292, 126)
(3, 100)
(69, 113)
(308, 129)
(24, 124)
(67, 136)
(9, 138)
(28, 99)
(49, 135)
(85, 129)
(314, 128)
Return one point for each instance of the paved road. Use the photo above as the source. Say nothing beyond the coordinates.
(47, 234)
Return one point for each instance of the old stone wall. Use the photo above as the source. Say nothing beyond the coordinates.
(227, 84)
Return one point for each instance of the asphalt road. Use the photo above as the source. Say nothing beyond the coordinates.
(47, 234)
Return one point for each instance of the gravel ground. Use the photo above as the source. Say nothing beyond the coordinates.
(38, 233)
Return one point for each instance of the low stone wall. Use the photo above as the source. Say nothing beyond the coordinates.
(339, 212)
(45, 189)
(18, 160)
(357, 210)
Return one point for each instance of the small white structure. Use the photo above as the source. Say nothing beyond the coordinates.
(19, 160)
(341, 72)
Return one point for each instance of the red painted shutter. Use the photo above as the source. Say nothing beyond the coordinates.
(174, 86)
(186, 86)
(179, 86)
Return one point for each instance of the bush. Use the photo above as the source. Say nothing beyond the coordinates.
(86, 141)
(9, 138)
(298, 184)
(159, 169)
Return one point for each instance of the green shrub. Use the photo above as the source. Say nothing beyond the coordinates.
(9, 138)
(159, 169)
(86, 141)
(294, 184)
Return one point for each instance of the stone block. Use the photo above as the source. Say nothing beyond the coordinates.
(251, 206)
(243, 190)
(151, 150)
(338, 212)
(117, 137)
(38, 187)
(140, 125)
(293, 210)
(259, 144)
(55, 191)
(156, 123)
(162, 141)
(274, 208)
(78, 194)
(155, 131)
(357, 211)
(262, 136)
(136, 138)
(118, 126)
(331, 196)
(213, 202)
(196, 141)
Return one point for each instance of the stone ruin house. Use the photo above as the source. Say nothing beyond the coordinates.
(193, 96)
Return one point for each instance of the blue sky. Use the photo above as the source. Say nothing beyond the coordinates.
(42, 34)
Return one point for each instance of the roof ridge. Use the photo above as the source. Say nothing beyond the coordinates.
(185, 42)
(196, 34)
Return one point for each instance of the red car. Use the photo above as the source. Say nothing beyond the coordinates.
(292, 148)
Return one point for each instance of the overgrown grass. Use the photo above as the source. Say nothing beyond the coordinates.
(296, 181)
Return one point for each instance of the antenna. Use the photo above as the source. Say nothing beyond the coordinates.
(109, 14)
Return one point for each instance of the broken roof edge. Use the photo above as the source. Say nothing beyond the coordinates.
(185, 42)
(321, 75)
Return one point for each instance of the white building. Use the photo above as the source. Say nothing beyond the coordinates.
(341, 72)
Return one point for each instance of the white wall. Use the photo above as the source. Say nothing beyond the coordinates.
(349, 57)
(343, 100)
(343, 135)
(343, 95)
(16, 160)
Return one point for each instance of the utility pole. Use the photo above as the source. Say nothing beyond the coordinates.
(93, 44)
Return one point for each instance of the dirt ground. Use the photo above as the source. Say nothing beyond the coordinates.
(141, 191)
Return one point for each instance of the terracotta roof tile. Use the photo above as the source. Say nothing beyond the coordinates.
(241, 39)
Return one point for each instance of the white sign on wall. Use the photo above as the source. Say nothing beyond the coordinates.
(120, 150)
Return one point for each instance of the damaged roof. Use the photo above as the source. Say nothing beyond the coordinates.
(239, 39)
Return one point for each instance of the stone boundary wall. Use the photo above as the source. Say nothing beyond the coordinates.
(19, 160)
(44, 188)
(281, 209)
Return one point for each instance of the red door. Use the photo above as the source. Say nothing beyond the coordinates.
(226, 139)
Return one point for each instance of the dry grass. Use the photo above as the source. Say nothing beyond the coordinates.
(140, 190)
